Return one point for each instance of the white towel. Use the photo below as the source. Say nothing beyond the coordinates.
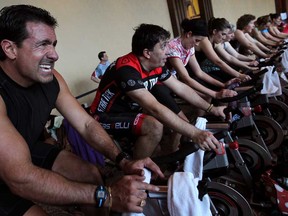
(182, 186)
(183, 196)
(271, 83)
(147, 179)
(284, 60)
(194, 162)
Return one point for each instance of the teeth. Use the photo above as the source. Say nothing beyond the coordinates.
(46, 67)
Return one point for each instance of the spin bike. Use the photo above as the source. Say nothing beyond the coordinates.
(225, 200)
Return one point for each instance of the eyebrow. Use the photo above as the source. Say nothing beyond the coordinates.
(47, 41)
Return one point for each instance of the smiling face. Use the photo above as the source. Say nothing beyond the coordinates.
(35, 57)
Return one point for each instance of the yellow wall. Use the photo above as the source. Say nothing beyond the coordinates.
(89, 26)
(233, 9)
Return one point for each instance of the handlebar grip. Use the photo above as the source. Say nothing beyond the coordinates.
(243, 94)
(186, 148)
(221, 134)
(254, 78)
(180, 154)
(257, 75)
(270, 62)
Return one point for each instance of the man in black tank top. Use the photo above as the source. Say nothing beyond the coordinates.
(33, 171)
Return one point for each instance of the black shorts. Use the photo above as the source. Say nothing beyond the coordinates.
(164, 95)
(124, 127)
(121, 124)
(43, 155)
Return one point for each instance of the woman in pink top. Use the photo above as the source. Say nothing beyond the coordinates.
(182, 53)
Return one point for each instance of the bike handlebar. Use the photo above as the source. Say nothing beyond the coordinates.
(186, 148)
(271, 61)
(254, 78)
(242, 94)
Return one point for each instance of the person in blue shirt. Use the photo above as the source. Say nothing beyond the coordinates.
(101, 67)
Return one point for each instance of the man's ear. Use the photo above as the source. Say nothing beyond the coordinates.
(214, 31)
(146, 53)
(9, 48)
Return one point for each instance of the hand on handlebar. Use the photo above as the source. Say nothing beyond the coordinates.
(244, 77)
(218, 111)
(254, 64)
(225, 93)
(128, 193)
(136, 167)
(232, 81)
(206, 140)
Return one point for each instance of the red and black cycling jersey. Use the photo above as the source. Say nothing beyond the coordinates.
(124, 75)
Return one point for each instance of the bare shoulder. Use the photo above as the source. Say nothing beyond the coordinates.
(57, 75)
(238, 32)
(2, 107)
(61, 81)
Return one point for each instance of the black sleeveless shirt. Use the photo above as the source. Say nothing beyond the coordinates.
(28, 108)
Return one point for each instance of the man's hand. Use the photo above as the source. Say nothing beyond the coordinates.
(218, 111)
(128, 193)
(206, 140)
(244, 77)
(232, 81)
(253, 63)
(225, 93)
(136, 167)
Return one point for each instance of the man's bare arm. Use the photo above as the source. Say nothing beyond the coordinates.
(29, 181)
(146, 100)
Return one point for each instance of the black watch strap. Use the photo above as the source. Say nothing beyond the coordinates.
(121, 156)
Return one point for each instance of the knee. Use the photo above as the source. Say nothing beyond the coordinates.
(153, 127)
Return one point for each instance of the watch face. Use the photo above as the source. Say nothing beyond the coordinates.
(100, 194)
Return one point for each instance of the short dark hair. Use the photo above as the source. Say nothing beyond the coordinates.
(146, 36)
(13, 20)
(219, 24)
(244, 21)
(274, 15)
(101, 55)
(198, 26)
(263, 20)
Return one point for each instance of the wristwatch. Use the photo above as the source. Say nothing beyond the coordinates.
(120, 157)
(100, 196)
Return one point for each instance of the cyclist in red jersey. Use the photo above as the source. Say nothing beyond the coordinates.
(125, 106)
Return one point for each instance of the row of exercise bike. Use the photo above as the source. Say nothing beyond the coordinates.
(250, 178)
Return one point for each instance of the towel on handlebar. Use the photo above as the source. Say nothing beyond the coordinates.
(183, 193)
(183, 198)
(271, 83)
(284, 61)
(194, 162)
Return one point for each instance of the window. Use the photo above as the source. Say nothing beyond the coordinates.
(180, 9)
